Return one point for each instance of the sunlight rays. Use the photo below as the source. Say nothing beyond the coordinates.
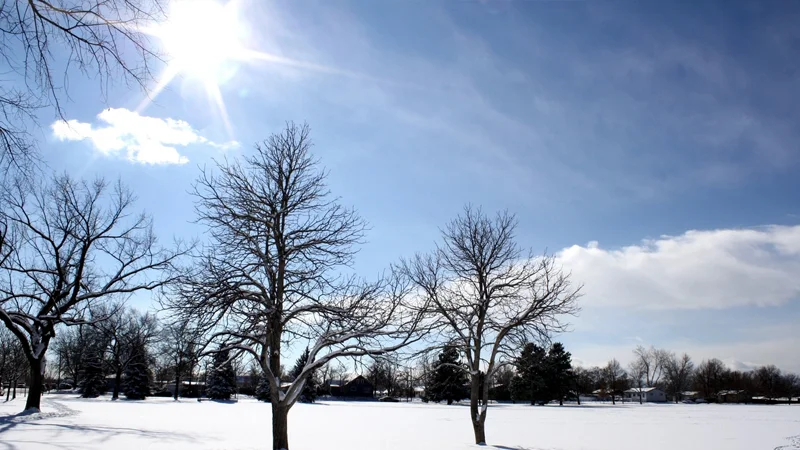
(206, 41)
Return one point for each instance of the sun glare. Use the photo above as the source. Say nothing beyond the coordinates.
(207, 41)
(201, 37)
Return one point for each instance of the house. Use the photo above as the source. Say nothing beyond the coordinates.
(188, 389)
(733, 396)
(357, 387)
(648, 394)
(601, 395)
(691, 396)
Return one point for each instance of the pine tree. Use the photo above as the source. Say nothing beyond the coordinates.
(448, 379)
(309, 393)
(262, 390)
(137, 374)
(221, 382)
(92, 374)
(530, 382)
(558, 372)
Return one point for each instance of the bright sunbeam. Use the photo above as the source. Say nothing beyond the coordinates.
(203, 41)
(201, 37)
(206, 41)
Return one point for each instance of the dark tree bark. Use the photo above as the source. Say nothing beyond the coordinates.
(35, 389)
(280, 426)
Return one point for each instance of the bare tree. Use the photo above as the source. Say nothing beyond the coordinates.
(271, 278)
(128, 333)
(651, 361)
(709, 377)
(180, 347)
(585, 380)
(637, 374)
(790, 385)
(12, 363)
(769, 380)
(41, 42)
(68, 347)
(615, 379)
(678, 374)
(74, 244)
(487, 296)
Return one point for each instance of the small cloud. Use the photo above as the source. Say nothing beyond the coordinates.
(142, 139)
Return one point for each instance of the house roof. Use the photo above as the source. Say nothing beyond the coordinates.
(731, 392)
(336, 383)
(689, 393)
(647, 389)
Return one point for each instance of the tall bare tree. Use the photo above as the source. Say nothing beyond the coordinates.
(181, 349)
(68, 347)
(12, 363)
(709, 377)
(74, 244)
(678, 373)
(270, 276)
(637, 374)
(615, 379)
(128, 332)
(41, 42)
(488, 296)
(768, 379)
(651, 361)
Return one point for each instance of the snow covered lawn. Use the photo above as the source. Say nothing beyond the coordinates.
(158, 423)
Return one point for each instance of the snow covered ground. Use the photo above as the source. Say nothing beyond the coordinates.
(67, 422)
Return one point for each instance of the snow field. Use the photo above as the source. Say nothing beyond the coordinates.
(67, 422)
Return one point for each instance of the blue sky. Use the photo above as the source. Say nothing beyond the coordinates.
(610, 128)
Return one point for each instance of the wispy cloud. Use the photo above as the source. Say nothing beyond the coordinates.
(697, 270)
(140, 139)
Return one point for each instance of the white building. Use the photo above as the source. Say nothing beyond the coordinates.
(648, 394)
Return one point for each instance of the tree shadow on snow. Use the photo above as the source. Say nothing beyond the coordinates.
(224, 402)
(98, 433)
(503, 447)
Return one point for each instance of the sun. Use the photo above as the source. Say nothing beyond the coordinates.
(202, 37)
(207, 41)
(203, 40)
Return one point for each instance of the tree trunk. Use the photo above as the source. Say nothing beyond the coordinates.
(613, 399)
(177, 384)
(578, 395)
(478, 419)
(35, 392)
(117, 382)
(280, 427)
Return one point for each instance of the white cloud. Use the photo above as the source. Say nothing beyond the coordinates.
(142, 139)
(698, 270)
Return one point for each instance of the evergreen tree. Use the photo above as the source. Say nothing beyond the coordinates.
(530, 382)
(558, 372)
(449, 378)
(137, 374)
(262, 390)
(92, 375)
(221, 382)
(309, 393)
